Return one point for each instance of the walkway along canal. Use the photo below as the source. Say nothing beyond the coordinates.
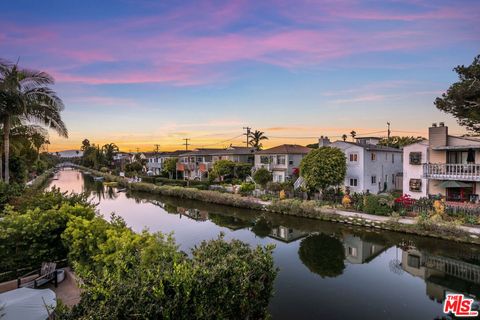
(327, 270)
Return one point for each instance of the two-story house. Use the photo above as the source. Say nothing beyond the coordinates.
(370, 167)
(283, 161)
(444, 165)
(196, 164)
(155, 160)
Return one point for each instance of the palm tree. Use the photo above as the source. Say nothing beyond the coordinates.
(110, 150)
(353, 133)
(256, 138)
(344, 137)
(25, 96)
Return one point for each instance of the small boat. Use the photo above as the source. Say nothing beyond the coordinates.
(87, 172)
(98, 178)
(122, 190)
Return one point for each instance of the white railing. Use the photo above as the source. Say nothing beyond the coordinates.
(450, 171)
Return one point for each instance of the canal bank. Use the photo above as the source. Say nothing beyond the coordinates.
(306, 209)
(323, 266)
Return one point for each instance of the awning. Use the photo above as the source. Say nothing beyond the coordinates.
(455, 184)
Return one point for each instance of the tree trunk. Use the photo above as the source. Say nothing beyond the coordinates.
(1, 162)
(6, 145)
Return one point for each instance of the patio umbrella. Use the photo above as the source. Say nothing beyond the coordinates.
(454, 184)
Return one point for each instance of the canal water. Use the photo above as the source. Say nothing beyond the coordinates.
(326, 270)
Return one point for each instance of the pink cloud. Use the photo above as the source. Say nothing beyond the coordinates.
(182, 47)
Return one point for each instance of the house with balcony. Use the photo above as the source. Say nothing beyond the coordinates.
(283, 161)
(196, 164)
(155, 160)
(444, 165)
(370, 167)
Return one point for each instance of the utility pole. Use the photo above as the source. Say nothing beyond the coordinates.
(388, 134)
(186, 143)
(247, 133)
(157, 147)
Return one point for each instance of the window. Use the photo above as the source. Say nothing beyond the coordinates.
(413, 261)
(264, 160)
(352, 251)
(290, 162)
(415, 158)
(393, 179)
(353, 182)
(415, 185)
(393, 158)
(353, 157)
(281, 159)
(374, 179)
(373, 156)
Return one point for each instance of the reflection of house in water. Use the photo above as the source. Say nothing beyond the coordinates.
(442, 275)
(195, 214)
(286, 234)
(359, 251)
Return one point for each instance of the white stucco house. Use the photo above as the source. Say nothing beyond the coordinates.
(370, 167)
(444, 165)
(283, 161)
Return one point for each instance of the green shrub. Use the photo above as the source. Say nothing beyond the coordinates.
(128, 274)
(262, 176)
(378, 205)
(247, 188)
(8, 192)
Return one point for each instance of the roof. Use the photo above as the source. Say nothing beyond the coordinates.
(200, 152)
(235, 150)
(286, 149)
(371, 147)
(471, 146)
(175, 153)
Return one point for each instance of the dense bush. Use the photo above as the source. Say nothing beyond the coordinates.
(30, 233)
(262, 176)
(378, 204)
(246, 188)
(8, 192)
(129, 275)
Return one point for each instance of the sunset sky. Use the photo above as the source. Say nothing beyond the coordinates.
(139, 73)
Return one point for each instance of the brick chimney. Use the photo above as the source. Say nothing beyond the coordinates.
(323, 142)
(438, 135)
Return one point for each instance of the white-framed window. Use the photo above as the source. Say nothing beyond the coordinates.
(352, 251)
(374, 179)
(353, 182)
(373, 156)
(290, 162)
(264, 160)
(353, 157)
(281, 159)
(393, 178)
(393, 158)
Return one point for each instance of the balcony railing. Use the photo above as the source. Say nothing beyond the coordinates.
(450, 171)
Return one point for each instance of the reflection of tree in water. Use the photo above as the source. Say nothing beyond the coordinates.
(97, 189)
(262, 227)
(323, 255)
(227, 221)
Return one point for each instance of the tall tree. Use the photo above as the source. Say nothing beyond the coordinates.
(256, 138)
(110, 149)
(462, 99)
(26, 97)
(323, 168)
(344, 137)
(353, 134)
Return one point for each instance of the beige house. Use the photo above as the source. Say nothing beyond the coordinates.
(196, 164)
(446, 165)
(283, 161)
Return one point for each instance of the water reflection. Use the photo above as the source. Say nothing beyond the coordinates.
(327, 270)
